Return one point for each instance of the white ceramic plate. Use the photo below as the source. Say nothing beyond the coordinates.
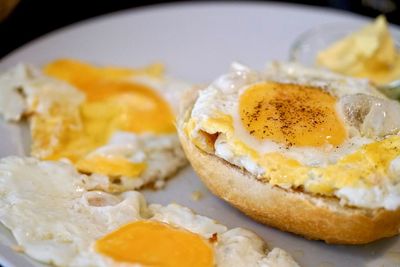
(197, 42)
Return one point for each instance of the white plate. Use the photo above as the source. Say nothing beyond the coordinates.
(197, 42)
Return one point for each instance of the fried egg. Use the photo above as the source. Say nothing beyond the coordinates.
(56, 220)
(305, 129)
(116, 123)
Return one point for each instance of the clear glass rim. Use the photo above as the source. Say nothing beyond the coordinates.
(301, 39)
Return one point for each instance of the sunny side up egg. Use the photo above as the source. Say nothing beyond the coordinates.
(303, 128)
(56, 220)
(115, 123)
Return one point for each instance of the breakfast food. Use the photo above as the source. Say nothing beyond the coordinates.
(115, 123)
(56, 220)
(368, 53)
(304, 150)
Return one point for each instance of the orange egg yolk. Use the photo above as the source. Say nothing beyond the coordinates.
(135, 107)
(293, 115)
(158, 244)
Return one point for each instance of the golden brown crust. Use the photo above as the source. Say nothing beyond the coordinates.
(310, 216)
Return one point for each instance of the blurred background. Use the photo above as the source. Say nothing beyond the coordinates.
(24, 20)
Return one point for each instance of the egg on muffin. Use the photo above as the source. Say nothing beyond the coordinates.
(55, 219)
(115, 123)
(305, 150)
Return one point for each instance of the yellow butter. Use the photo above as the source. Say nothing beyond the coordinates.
(367, 53)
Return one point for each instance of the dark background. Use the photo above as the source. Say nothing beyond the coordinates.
(32, 18)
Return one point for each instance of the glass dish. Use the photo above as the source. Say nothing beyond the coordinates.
(306, 47)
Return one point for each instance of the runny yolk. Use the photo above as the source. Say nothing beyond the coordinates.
(136, 107)
(158, 244)
(293, 115)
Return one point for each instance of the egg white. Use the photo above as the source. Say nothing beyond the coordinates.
(22, 84)
(56, 220)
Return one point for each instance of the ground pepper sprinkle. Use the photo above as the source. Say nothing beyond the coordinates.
(291, 114)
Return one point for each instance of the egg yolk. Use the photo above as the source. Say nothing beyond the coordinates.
(152, 243)
(115, 165)
(113, 103)
(293, 115)
(135, 107)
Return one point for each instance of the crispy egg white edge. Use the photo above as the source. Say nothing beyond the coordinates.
(223, 96)
(60, 224)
